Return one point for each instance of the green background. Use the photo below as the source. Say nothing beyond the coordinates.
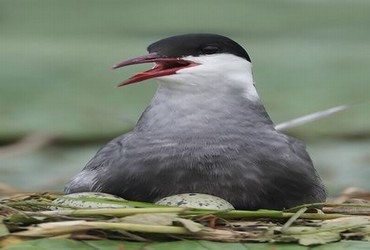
(55, 76)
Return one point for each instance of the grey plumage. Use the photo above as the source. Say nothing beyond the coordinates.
(232, 155)
(212, 139)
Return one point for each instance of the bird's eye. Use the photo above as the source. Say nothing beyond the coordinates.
(210, 49)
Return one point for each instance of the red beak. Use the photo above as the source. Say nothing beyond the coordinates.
(164, 66)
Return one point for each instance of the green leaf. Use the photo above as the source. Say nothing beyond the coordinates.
(62, 244)
(345, 245)
(53, 244)
(319, 238)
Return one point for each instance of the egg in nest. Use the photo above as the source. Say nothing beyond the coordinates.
(86, 200)
(196, 200)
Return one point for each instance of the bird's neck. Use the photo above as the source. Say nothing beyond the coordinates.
(184, 107)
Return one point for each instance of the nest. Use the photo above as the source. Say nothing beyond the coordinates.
(28, 216)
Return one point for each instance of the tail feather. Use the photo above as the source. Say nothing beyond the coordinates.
(310, 118)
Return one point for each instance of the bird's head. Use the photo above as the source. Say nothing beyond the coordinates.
(194, 59)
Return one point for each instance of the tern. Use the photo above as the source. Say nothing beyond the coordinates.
(205, 131)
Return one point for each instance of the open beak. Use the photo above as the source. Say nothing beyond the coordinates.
(163, 66)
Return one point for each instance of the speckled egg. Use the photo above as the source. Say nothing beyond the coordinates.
(196, 200)
(73, 201)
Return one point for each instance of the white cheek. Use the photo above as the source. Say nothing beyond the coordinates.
(219, 71)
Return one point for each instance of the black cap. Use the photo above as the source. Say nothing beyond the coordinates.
(197, 44)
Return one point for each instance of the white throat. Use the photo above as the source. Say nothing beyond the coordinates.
(216, 93)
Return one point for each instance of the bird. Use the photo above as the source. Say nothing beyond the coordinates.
(205, 131)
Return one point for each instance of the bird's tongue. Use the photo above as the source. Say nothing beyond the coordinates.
(163, 67)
